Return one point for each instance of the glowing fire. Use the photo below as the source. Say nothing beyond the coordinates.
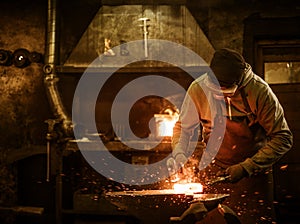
(188, 188)
(165, 124)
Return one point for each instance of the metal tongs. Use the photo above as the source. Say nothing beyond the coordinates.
(217, 180)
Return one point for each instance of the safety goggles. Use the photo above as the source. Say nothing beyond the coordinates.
(223, 91)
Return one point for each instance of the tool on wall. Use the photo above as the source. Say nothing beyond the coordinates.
(107, 48)
(123, 48)
(145, 30)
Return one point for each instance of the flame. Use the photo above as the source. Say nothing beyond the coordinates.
(165, 124)
(188, 187)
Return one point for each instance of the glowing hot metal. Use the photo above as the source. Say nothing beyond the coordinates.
(188, 188)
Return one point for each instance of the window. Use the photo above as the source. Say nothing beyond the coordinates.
(282, 72)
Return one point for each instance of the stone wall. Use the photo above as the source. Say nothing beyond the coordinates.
(223, 21)
(23, 104)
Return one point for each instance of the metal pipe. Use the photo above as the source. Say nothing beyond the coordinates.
(54, 98)
(50, 78)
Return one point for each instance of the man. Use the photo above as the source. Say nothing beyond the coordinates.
(255, 136)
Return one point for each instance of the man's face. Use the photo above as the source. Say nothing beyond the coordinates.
(223, 89)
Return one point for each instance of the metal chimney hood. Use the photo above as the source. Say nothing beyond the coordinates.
(116, 25)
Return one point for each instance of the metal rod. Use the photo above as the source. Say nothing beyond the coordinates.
(48, 161)
(59, 194)
(24, 209)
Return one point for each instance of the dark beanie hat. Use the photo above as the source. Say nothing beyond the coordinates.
(228, 66)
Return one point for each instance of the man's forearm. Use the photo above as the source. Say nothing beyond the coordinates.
(180, 139)
(279, 144)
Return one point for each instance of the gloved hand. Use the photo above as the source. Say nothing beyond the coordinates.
(236, 173)
(175, 166)
(180, 160)
(171, 165)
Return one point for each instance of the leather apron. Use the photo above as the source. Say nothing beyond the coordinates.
(252, 197)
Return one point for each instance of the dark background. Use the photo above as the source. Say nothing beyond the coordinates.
(249, 26)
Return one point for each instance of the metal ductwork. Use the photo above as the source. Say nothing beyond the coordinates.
(51, 78)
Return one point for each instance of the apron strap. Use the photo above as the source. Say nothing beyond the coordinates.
(249, 114)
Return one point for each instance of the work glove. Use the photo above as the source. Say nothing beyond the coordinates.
(194, 213)
(180, 160)
(175, 166)
(235, 173)
(171, 165)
